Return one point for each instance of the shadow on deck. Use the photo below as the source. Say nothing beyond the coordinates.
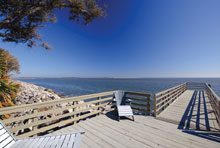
(197, 118)
(113, 115)
(214, 136)
(106, 131)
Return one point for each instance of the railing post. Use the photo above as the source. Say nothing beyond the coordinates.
(74, 109)
(218, 113)
(148, 105)
(99, 108)
(34, 120)
(155, 105)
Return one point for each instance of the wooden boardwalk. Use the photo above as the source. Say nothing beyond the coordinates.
(185, 116)
(105, 131)
(191, 111)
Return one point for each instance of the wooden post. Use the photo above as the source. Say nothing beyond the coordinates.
(99, 108)
(34, 120)
(155, 105)
(218, 113)
(148, 105)
(74, 109)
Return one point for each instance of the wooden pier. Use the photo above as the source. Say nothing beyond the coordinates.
(190, 105)
(187, 115)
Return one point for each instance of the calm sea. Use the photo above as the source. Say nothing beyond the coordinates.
(81, 86)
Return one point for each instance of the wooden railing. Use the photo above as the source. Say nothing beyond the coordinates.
(140, 102)
(195, 86)
(214, 101)
(164, 98)
(38, 118)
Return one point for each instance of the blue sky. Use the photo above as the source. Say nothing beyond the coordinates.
(145, 38)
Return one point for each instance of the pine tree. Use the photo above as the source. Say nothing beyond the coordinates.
(8, 89)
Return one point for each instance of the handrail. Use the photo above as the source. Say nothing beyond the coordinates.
(31, 119)
(7, 110)
(164, 98)
(215, 102)
(168, 90)
(38, 118)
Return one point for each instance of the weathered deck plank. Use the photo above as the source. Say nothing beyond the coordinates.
(104, 131)
(137, 133)
(126, 140)
(169, 131)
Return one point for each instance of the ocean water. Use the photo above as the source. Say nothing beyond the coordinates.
(81, 86)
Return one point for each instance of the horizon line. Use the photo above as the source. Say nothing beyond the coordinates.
(40, 77)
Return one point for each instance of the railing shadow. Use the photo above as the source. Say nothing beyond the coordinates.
(214, 136)
(196, 107)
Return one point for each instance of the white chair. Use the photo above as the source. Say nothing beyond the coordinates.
(123, 105)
